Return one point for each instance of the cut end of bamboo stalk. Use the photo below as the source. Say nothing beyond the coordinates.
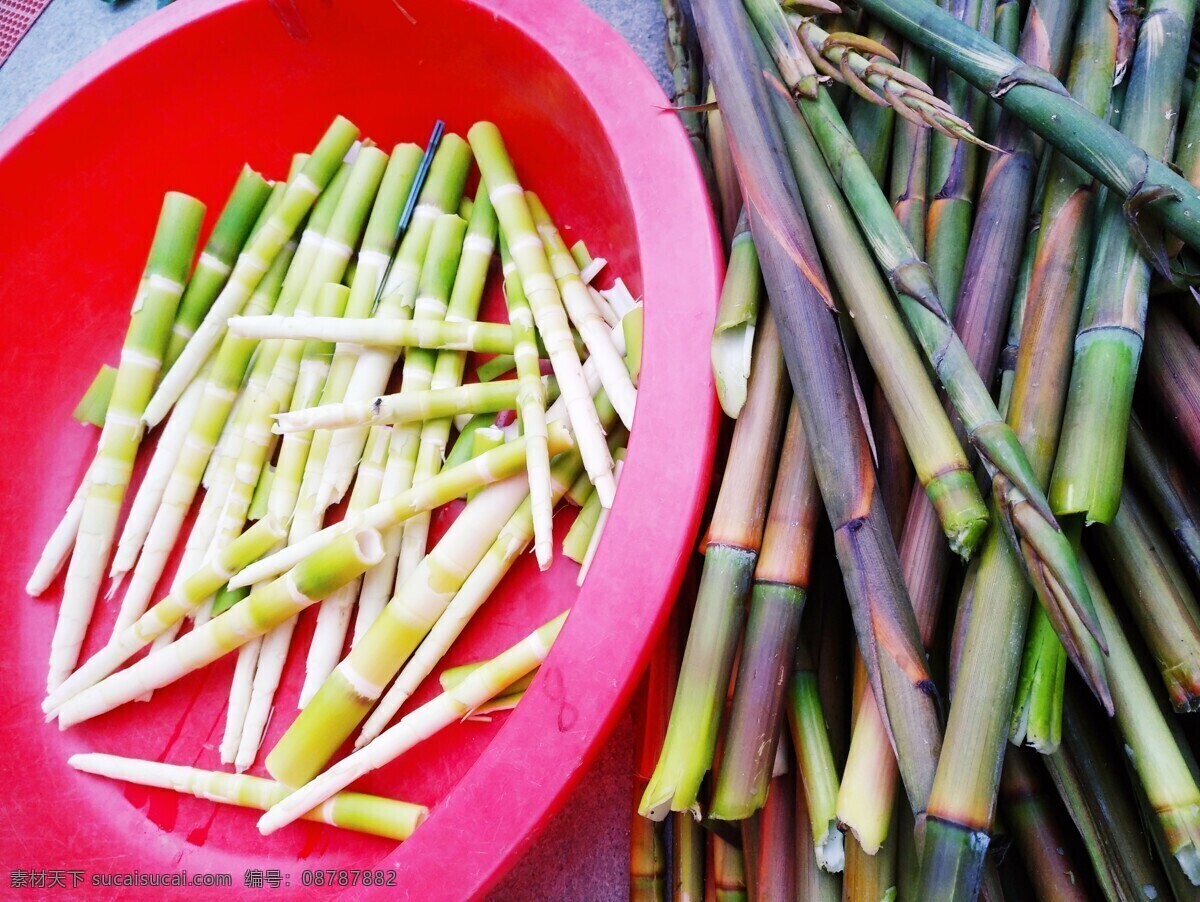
(1189, 861)
(830, 849)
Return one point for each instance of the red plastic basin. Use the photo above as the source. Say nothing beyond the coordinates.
(179, 101)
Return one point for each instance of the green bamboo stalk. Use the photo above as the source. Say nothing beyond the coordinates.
(343, 236)
(1040, 103)
(687, 79)
(262, 493)
(816, 359)
(94, 403)
(1167, 488)
(953, 176)
(1025, 513)
(345, 698)
(313, 579)
(1037, 711)
(1150, 745)
(1171, 378)
(732, 545)
(940, 462)
(225, 379)
(737, 314)
(453, 482)
(1099, 802)
(1158, 596)
(601, 522)
(461, 450)
(453, 676)
(1108, 345)
(813, 882)
(542, 290)
(781, 579)
(583, 313)
(404, 407)
(458, 336)
(510, 542)
(531, 400)
(818, 772)
(448, 708)
(190, 591)
(783, 38)
(253, 263)
(1039, 835)
(579, 536)
(333, 617)
(484, 440)
(145, 343)
(440, 264)
(909, 180)
(225, 242)
(439, 195)
(350, 810)
(1007, 34)
(465, 297)
(495, 367)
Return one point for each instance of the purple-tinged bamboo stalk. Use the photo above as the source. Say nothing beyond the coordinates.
(776, 604)
(1049, 560)
(775, 875)
(824, 386)
(935, 450)
(1040, 836)
(1157, 594)
(1098, 799)
(1171, 378)
(1168, 488)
